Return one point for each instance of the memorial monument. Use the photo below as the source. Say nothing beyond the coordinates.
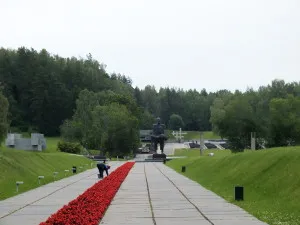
(36, 142)
(158, 137)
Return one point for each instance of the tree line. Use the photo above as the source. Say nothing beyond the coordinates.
(4, 105)
(272, 112)
(42, 88)
(78, 99)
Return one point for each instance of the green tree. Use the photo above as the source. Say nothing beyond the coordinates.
(175, 122)
(42, 88)
(93, 127)
(71, 130)
(146, 121)
(217, 114)
(285, 121)
(115, 129)
(197, 111)
(3, 117)
(238, 123)
(150, 100)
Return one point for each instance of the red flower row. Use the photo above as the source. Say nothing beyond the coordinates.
(89, 207)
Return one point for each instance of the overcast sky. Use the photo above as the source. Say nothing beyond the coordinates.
(212, 44)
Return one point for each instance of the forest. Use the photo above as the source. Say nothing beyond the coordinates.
(76, 98)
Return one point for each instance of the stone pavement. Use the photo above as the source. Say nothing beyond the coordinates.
(35, 206)
(169, 148)
(154, 194)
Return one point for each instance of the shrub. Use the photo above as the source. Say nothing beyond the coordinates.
(69, 147)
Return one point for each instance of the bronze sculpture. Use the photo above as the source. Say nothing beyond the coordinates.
(158, 135)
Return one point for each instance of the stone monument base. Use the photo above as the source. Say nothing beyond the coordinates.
(159, 156)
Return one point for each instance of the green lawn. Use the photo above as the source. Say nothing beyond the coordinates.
(52, 144)
(195, 135)
(271, 179)
(20, 165)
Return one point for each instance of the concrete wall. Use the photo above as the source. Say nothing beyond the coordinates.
(23, 143)
(37, 142)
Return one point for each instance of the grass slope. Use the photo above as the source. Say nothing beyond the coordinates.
(52, 144)
(271, 179)
(19, 165)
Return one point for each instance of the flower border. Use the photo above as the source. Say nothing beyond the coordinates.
(89, 207)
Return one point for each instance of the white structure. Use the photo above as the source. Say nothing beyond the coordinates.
(178, 135)
(202, 145)
(158, 151)
(36, 142)
(253, 139)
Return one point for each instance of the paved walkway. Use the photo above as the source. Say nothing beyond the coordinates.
(154, 194)
(169, 148)
(35, 206)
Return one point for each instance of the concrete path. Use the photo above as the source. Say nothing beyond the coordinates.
(35, 206)
(170, 147)
(154, 194)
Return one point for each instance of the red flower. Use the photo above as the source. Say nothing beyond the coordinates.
(89, 207)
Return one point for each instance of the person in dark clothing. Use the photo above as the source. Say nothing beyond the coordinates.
(102, 167)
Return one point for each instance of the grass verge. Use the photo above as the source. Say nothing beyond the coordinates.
(19, 165)
(271, 179)
(195, 135)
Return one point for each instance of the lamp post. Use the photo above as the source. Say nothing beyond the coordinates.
(253, 137)
(55, 174)
(66, 171)
(201, 143)
(39, 178)
(17, 185)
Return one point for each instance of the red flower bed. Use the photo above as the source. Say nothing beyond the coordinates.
(89, 207)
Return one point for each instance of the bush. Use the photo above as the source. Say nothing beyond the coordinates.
(69, 147)
(237, 144)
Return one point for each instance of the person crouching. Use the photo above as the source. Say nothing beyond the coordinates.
(102, 167)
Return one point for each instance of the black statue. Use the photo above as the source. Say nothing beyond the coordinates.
(158, 135)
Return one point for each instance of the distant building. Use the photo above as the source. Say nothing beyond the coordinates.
(36, 142)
